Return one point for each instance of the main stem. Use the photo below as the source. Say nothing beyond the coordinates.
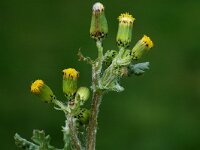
(96, 99)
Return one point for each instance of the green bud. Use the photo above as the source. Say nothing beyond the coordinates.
(124, 33)
(99, 26)
(40, 89)
(82, 95)
(126, 58)
(108, 57)
(142, 46)
(83, 116)
(70, 82)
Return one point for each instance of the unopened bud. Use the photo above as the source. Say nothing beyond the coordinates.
(82, 95)
(99, 26)
(109, 56)
(83, 116)
(124, 33)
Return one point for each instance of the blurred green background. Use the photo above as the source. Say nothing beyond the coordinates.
(157, 111)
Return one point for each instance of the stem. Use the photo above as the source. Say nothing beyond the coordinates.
(70, 125)
(96, 99)
(100, 58)
(83, 58)
(92, 127)
(62, 106)
(72, 130)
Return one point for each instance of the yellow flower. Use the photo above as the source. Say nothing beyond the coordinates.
(70, 80)
(70, 73)
(124, 34)
(39, 88)
(142, 46)
(36, 86)
(126, 18)
(147, 41)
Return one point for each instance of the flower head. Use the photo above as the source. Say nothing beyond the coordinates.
(36, 86)
(142, 46)
(124, 33)
(70, 73)
(147, 41)
(99, 25)
(126, 18)
(70, 76)
(39, 88)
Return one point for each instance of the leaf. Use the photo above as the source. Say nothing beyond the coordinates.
(42, 140)
(24, 144)
(139, 69)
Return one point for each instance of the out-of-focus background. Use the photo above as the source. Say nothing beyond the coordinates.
(157, 111)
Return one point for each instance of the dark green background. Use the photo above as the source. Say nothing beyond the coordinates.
(157, 111)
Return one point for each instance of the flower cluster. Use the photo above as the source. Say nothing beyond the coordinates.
(107, 70)
(120, 62)
(76, 97)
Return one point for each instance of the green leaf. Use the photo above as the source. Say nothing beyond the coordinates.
(139, 69)
(42, 140)
(24, 144)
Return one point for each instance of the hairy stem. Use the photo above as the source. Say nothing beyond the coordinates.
(73, 133)
(92, 128)
(96, 99)
(62, 106)
(100, 58)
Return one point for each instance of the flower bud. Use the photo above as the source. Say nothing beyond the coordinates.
(124, 33)
(38, 87)
(126, 58)
(99, 26)
(70, 76)
(82, 95)
(143, 45)
(83, 116)
(109, 56)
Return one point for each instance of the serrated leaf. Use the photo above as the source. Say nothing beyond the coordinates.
(140, 68)
(24, 144)
(42, 140)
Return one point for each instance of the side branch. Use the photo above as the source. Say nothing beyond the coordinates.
(83, 58)
(73, 133)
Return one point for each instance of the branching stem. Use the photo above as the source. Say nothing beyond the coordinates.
(96, 99)
(73, 133)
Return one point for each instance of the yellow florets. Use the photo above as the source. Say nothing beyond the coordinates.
(70, 73)
(36, 86)
(126, 18)
(147, 41)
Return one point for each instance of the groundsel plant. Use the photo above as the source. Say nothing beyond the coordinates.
(79, 132)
